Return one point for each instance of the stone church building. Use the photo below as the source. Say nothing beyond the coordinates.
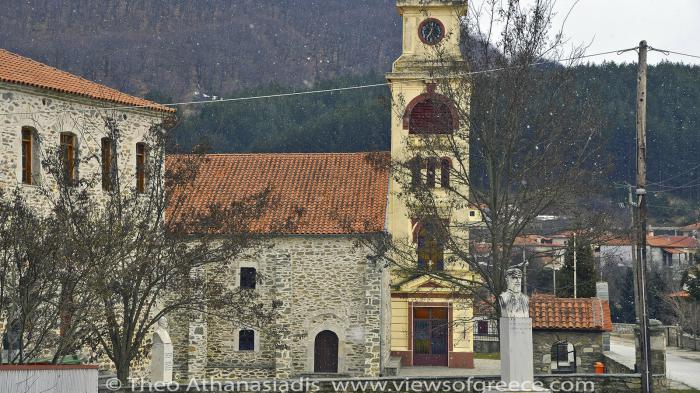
(345, 315)
(329, 291)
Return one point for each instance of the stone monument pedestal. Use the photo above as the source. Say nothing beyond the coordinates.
(516, 356)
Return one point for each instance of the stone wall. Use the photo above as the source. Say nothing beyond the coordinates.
(322, 283)
(689, 342)
(49, 114)
(623, 328)
(588, 346)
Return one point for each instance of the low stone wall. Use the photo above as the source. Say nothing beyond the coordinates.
(689, 342)
(588, 347)
(623, 328)
(592, 383)
(616, 364)
(486, 346)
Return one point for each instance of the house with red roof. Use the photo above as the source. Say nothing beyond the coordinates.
(44, 110)
(673, 254)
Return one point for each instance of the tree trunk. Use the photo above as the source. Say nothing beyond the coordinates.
(122, 369)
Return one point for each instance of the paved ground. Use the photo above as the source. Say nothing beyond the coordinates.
(481, 367)
(681, 365)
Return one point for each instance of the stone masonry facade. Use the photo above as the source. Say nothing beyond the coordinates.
(588, 346)
(323, 282)
(49, 114)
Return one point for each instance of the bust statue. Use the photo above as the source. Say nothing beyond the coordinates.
(514, 303)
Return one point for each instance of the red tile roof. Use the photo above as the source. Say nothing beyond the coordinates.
(552, 313)
(336, 193)
(21, 70)
(672, 241)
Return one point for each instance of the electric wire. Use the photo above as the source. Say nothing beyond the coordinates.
(309, 92)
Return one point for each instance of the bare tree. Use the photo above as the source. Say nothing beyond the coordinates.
(526, 143)
(130, 251)
(32, 271)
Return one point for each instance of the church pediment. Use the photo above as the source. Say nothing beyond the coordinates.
(425, 283)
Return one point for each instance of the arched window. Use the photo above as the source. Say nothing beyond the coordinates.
(69, 155)
(424, 171)
(428, 236)
(326, 352)
(30, 156)
(141, 170)
(445, 167)
(108, 168)
(563, 357)
(430, 113)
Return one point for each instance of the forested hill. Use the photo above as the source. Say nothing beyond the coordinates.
(179, 47)
(359, 121)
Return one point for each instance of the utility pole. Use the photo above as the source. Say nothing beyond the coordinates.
(642, 216)
(575, 285)
(633, 238)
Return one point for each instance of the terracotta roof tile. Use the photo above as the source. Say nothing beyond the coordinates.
(337, 193)
(672, 241)
(21, 70)
(549, 312)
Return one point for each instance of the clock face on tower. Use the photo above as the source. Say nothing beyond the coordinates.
(431, 31)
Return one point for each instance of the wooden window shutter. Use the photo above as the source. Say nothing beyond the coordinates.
(27, 155)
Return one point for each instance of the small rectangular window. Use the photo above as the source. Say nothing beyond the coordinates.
(430, 178)
(68, 155)
(248, 277)
(415, 167)
(246, 340)
(27, 144)
(107, 157)
(141, 161)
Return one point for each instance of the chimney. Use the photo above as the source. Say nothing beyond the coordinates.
(601, 290)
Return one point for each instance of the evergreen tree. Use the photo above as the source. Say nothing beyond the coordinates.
(621, 293)
(585, 271)
(658, 302)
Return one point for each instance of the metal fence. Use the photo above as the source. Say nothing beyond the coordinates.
(48, 378)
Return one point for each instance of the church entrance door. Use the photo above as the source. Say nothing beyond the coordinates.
(430, 331)
(326, 352)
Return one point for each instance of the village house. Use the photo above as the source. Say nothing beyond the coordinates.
(46, 110)
(672, 254)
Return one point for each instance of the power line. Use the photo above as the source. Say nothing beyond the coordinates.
(339, 89)
(666, 52)
(661, 182)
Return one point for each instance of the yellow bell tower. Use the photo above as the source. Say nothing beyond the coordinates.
(430, 322)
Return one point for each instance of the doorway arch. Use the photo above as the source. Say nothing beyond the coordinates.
(326, 352)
